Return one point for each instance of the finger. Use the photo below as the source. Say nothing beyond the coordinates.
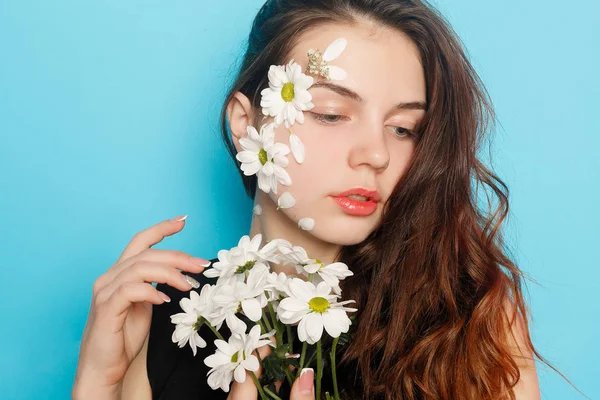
(247, 389)
(147, 271)
(304, 387)
(243, 391)
(174, 258)
(129, 293)
(152, 235)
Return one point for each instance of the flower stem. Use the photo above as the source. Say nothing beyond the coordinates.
(290, 339)
(302, 355)
(273, 395)
(266, 322)
(319, 370)
(257, 383)
(263, 330)
(278, 333)
(216, 332)
(336, 394)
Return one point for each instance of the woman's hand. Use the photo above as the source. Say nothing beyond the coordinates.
(121, 307)
(302, 389)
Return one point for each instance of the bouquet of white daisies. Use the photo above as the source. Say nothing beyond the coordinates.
(260, 308)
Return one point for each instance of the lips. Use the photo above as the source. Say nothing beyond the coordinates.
(358, 207)
(371, 195)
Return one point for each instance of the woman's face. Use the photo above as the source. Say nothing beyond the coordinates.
(357, 134)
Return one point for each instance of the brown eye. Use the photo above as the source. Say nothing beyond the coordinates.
(327, 118)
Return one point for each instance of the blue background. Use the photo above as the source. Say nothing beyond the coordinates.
(109, 124)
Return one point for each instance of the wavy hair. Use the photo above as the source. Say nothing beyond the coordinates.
(434, 281)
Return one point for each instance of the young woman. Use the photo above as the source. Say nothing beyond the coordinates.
(441, 312)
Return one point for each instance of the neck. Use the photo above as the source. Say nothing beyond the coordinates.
(274, 224)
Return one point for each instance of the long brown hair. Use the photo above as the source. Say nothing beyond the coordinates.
(432, 281)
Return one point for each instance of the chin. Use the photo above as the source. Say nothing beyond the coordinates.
(346, 233)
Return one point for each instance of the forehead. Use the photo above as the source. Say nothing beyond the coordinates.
(377, 59)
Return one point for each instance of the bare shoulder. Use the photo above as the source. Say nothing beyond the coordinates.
(527, 388)
(135, 383)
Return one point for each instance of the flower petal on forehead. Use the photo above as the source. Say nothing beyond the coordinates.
(334, 49)
(336, 73)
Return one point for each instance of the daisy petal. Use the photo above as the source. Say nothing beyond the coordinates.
(334, 49)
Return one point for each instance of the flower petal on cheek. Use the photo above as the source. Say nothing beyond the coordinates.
(297, 148)
(306, 223)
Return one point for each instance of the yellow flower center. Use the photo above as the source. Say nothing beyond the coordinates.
(321, 265)
(262, 156)
(234, 357)
(287, 92)
(246, 267)
(318, 304)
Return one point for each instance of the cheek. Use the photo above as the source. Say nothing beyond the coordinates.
(324, 157)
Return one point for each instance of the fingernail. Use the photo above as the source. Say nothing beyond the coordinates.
(163, 296)
(307, 375)
(200, 261)
(191, 281)
(180, 218)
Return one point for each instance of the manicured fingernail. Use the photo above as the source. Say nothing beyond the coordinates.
(191, 281)
(200, 261)
(163, 296)
(180, 218)
(307, 375)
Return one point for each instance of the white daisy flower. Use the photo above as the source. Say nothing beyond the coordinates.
(233, 358)
(276, 285)
(247, 297)
(306, 223)
(286, 200)
(287, 95)
(196, 310)
(332, 274)
(265, 158)
(315, 308)
(236, 263)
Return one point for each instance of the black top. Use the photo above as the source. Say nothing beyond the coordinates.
(175, 373)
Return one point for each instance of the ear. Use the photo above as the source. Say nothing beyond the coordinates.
(240, 115)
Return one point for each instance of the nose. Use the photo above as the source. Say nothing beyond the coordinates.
(370, 148)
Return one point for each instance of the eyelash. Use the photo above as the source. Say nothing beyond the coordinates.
(323, 118)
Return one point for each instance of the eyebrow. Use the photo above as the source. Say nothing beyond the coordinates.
(351, 94)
